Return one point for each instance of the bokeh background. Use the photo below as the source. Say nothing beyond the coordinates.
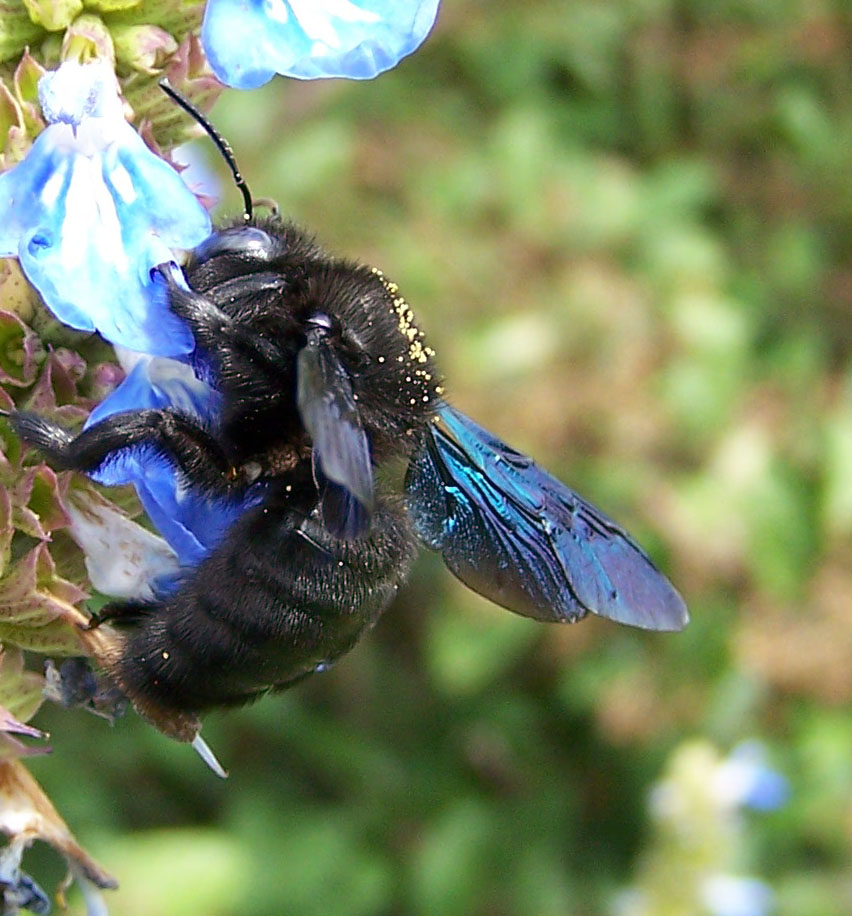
(626, 228)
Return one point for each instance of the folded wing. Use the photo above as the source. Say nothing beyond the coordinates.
(341, 449)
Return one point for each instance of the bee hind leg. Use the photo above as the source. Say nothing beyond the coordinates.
(127, 612)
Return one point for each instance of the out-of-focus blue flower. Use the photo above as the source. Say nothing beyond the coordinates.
(248, 41)
(700, 828)
(723, 894)
(91, 210)
(745, 778)
(192, 523)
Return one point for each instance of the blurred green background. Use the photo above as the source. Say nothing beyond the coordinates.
(626, 228)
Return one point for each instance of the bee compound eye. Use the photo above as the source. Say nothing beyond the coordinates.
(247, 241)
(321, 320)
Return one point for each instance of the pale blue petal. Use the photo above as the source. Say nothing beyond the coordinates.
(89, 212)
(74, 91)
(158, 382)
(745, 778)
(248, 41)
(191, 523)
(723, 894)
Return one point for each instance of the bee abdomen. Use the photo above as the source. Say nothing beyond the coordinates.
(264, 610)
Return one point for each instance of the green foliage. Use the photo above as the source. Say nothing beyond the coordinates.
(627, 225)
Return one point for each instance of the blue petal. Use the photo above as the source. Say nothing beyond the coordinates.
(160, 383)
(89, 212)
(193, 524)
(248, 41)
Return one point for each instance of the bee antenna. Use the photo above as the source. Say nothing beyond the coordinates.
(219, 141)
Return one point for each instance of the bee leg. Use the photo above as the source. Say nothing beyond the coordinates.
(180, 439)
(207, 320)
(119, 612)
(246, 352)
(48, 437)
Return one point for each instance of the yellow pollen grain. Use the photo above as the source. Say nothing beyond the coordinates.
(165, 654)
(417, 353)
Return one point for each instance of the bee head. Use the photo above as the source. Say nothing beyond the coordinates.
(243, 250)
(372, 329)
(271, 277)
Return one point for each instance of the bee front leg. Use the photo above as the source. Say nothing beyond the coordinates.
(208, 322)
(243, 350)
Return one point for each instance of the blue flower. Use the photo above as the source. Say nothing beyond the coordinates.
(91, 210)
(248, 41)
(745, 778)
(192, 522)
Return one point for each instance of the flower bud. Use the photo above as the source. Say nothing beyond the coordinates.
(157, 116)
(146, 48)
(53, 15)
(88, 39)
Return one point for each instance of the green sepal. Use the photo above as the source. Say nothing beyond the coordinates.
(53, 15)
(20, 690)
(17, 30)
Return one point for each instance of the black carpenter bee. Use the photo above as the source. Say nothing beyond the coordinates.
(325, 380)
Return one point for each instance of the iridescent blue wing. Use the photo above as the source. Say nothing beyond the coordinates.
(341, 449)
(516, 535)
